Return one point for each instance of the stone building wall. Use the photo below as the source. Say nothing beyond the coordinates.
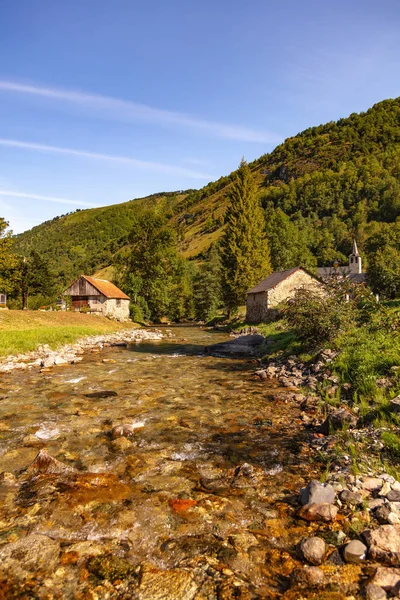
(116, 309)
(256, 307)
(287, 288)
(262, 306)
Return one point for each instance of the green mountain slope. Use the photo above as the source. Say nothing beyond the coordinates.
(330, 181)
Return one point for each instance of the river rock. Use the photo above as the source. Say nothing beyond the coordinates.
(388, 579)
(308, 576)
(352, 498)
(355, 552)
(318, 512)
(313, 549)
(175, 584)
(374, 592)
(384, 544)
(45, 463)
(371, 483)
(393, 496)
(102, 394)
(126, 430)
(317, 493)
(28, 555)
(337, 420)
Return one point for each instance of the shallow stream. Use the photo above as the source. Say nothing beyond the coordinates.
(192, 504)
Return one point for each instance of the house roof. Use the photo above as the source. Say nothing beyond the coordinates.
(108, 289)
(272, 280)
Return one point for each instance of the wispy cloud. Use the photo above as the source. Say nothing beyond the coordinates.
(127, 110)
(139, 164)
(12, 194)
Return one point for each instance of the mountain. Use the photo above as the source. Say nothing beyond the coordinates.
(326, 184)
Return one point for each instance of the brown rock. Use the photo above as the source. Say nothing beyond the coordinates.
(318, 512)
(388, 579)
(384, 544)
(45, 463)
(308, 576)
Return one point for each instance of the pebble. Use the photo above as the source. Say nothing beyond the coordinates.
(313, 550)
(355, 552)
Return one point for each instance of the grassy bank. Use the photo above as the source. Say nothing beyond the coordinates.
(23, 331)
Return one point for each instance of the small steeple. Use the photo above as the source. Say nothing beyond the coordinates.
(355, 263)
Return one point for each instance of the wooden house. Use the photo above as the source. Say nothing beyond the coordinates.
(100, 296)
(264, 299)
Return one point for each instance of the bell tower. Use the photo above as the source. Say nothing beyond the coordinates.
(355, 263)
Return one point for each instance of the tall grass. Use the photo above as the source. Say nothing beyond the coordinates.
(365, 356)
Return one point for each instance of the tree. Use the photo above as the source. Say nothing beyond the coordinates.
(207, 290)
(244, 248)
(155, 274)
(287, 242)
(36, 277)
(383, 273)
(9, 262)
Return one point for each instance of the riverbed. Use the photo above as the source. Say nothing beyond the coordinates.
(194, 504)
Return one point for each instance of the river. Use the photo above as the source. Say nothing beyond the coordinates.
(192, 505)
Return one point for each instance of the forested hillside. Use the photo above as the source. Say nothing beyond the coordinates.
(319, 189)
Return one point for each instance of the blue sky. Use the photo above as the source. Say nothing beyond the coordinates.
(103, 101)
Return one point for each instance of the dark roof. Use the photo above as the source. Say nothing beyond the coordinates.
(108, 289)
(272, 280)
(357, 277)
(326, 271)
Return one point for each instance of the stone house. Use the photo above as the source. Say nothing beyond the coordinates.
(263, 300)
(98, 296)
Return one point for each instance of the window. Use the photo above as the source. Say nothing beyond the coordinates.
(118, 302)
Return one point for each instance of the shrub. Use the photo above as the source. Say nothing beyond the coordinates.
(318, 319)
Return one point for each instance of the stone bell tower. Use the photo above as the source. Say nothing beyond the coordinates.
(355, 264)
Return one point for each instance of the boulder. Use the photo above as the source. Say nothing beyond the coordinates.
(384, 544)
(336, 420)
(355, 552)
(244, 345)
(318, 512)
(388, 579)
(317, 493)
(313, 550)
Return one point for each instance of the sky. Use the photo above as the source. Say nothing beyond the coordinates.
(102, 102)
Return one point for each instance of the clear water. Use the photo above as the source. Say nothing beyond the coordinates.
(199, 419)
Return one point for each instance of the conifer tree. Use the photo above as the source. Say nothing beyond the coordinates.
(244, 248)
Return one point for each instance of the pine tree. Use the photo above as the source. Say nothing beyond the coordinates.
(244, 248)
